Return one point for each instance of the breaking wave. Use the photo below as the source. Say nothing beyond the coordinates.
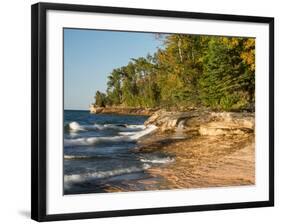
(77, 157)
(96, 140)
(75, 126)
(103, 174)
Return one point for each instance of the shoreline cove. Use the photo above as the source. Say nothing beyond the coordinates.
(166, 150)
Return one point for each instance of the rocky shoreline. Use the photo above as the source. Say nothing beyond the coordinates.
(122, 110)
(204, 161)
(200, 121)
(204, 122)
(218, 150)
(215, 149)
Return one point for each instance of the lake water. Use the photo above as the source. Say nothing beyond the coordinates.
(99, 156)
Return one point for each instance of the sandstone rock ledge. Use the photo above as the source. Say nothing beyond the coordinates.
(204, 123)
(218, 150)
(122, 110)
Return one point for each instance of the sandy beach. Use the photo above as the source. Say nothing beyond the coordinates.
(199, 162)
(210, 161)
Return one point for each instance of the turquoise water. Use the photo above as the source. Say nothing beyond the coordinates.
(98, 152)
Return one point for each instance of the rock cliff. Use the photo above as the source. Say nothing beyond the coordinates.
(122, 110)
(204, 122)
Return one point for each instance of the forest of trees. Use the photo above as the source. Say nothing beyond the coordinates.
(188, 71)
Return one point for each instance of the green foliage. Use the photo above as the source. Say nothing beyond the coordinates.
(100, 99)
(225, 82)
(191, 70)
(114, 87)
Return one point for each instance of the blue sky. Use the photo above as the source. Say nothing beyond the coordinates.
(90, 55)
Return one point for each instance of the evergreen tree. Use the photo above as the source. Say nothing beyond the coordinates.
(190, 70)
(225, 77)
(100, 99)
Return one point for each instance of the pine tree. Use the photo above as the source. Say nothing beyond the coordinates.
(190, 70)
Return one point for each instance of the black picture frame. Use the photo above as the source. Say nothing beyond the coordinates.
(38, 108)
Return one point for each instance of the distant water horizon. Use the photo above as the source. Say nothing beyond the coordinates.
(76, 109)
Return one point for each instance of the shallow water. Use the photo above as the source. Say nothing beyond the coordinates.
(98, 153)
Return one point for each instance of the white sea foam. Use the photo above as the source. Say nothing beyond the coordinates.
(148, 130)
(96, 140)
(133, 126)
(103, 174)
(75, 126)
(75, 157)
(158, 160)
(117, 127)
(127, 133)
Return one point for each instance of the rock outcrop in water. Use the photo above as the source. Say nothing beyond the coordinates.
(122, 110)
(204, 122)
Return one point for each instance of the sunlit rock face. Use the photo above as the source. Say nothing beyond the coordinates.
(121, 110)
(205, 123)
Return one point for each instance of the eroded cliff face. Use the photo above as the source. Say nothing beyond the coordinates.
(204, 123)
(122, 110)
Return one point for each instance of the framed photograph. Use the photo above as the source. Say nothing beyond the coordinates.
(139, 111)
